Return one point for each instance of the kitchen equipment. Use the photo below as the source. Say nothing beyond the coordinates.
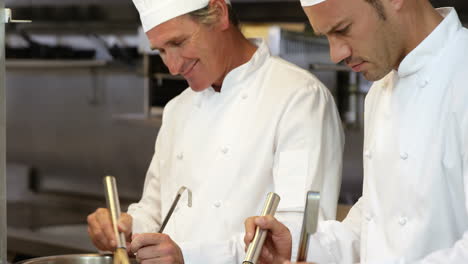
(73, 259)
(113, 204)
(38, 50)
(309, 224)
(255, 247)
(174, 204)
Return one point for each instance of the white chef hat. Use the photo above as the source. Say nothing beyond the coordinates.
(155, 12)
(311, 2)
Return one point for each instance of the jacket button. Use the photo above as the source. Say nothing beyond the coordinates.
(404, 155)
(368, 217)
(402, 221)
(180, 156)
(422, 83)
(245, 96)
(217, 204)
(224, 150)
(368, 154)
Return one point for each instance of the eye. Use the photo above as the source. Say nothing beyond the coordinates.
(178, 43)
(343, 31)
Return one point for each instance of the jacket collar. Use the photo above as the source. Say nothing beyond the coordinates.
(419, 60)
(242, 73)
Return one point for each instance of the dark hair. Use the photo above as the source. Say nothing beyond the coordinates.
(209, 15)
(377, 4)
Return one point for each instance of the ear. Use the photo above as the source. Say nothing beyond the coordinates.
(396, 5)
(222, 13)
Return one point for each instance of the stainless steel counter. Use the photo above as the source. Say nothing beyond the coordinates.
(50, 224)
(49, 241)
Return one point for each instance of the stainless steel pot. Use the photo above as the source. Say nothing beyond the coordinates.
(73, 259)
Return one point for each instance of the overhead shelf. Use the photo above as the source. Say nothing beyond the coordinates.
(26, 63)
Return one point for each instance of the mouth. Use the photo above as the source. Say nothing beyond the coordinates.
(356, 67)
(189, 69)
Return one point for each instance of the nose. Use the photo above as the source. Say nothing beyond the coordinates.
(339, 50)
(173, 62)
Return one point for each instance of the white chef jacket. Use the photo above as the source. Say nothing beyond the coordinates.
(273, 127)
(414, 203)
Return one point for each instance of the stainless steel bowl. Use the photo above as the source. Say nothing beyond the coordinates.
(73, 259)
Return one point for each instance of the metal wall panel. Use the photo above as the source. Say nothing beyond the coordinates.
(66, 124)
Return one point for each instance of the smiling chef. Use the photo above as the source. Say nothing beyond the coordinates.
(249, 123)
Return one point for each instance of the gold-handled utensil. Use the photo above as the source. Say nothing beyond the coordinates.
(255, 247)
(113, 204)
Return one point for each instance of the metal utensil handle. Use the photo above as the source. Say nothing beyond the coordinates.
(309, 224)
(255, 248)
(113, 204)
(169, 214)
(174, 204)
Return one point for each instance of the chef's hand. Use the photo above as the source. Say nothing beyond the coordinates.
(156, 248)
(278, 243)
(101, 232)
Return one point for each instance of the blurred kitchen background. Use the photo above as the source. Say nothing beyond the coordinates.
(85, 97)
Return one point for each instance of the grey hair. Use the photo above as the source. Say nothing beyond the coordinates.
(209, 15)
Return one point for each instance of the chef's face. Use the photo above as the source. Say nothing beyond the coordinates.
(190, 49)
(359, 33)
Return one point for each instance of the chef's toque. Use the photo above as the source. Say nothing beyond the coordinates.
(155, 12)
(311, 2)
